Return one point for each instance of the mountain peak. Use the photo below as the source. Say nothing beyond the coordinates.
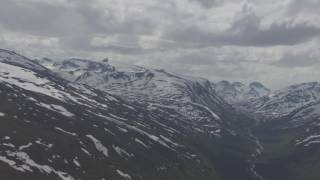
(105, 60)
(238, 84)
(257, 84)
(304, 85)
(237, 92)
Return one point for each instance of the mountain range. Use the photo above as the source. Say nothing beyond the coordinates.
(83, 119)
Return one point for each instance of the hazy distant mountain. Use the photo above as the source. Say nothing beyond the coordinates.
(285, 101)
(238, 92)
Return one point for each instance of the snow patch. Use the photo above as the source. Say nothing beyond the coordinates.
(27, 165)
(62, 110)
(126, 176)
(121, 152)
(66, 132)
(25, 146)
(76, 162)
(99, 146)
(141, 142)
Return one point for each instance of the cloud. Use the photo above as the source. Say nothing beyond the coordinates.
(43, 19)
(247, 30)
(208, 3)
(75, 23)
(298, 61)
(306, 6)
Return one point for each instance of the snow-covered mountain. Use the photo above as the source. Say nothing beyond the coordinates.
(51, 128)
(237, 92)
(285, 101)
(193, 97)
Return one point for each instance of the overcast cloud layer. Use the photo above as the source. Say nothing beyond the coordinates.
(276, 42)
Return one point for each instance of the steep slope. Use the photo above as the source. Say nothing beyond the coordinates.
(12, 58)
(291, 145)
(54, 129)
(237, 92)
(285, 101)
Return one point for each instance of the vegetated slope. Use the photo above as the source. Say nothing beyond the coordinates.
(54, 129)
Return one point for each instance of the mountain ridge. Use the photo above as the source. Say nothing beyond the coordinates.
(237, 92)
(283, 102)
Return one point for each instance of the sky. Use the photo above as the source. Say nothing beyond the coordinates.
(271, 41)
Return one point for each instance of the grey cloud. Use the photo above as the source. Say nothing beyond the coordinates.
(84, 43)
(209, 57)
(208, 3)
(298, 6)
(74, 25)
(246, 30)
(78, 43)
(51, 20)
(28, 17)
(297, 61)
(39, 18)
(196, 58)
(285, 33)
